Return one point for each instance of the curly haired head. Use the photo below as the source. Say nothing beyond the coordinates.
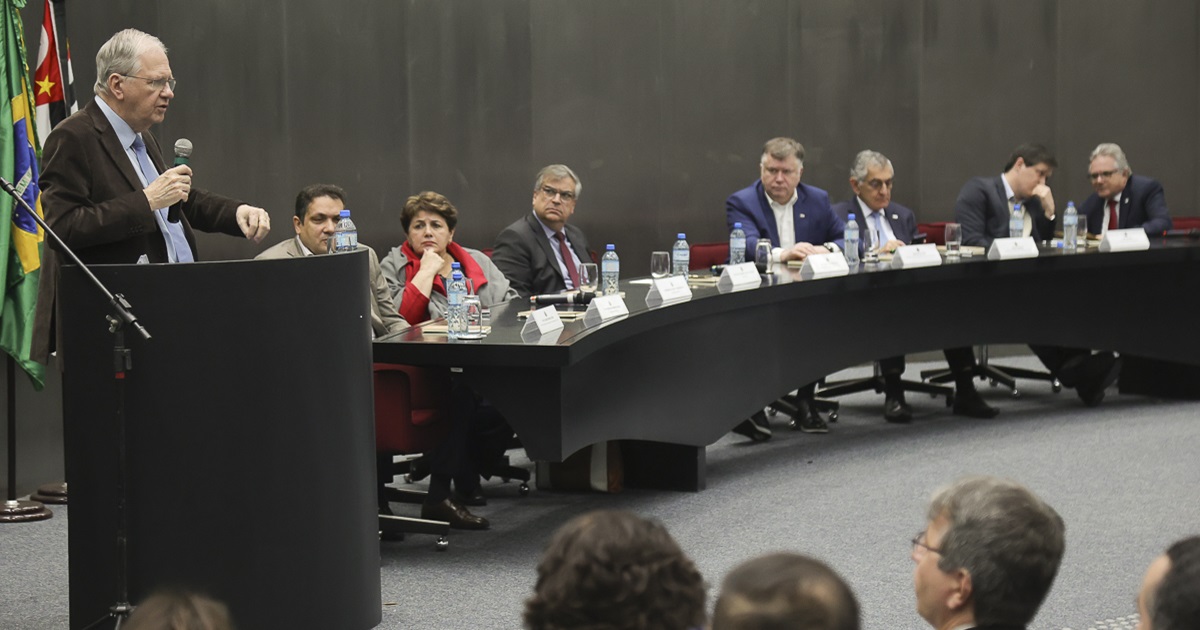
(429, 201)
(611, 570)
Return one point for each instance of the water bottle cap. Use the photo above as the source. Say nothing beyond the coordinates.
(1070, 204)
(610, 247)
(681, 236)
(737, 225)
(851, 216)
(455, 265)
(457, 275)
(1016, 206)
(344, 213)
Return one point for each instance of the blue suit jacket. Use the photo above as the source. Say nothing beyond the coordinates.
(982, 209)
(812, 216)
(1143, 204)
(902, 220)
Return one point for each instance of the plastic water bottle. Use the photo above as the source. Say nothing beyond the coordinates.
(610, 271)
(456, 314)
(850, 241)
(737, 245)
(1070, 228)
(345, 235)
(1016, 223)
(681, 256)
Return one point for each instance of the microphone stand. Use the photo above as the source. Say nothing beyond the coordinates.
(122, 363)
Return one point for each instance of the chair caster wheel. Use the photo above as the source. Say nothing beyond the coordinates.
(992, 382)
(1056, 386)
(771, 411)
(833, 416)
(408, 478)
(523, 489)
(1016, 393)
(442, 544)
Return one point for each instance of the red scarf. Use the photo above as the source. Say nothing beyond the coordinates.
(470, 268)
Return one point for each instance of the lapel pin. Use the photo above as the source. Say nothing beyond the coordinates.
(801, 215)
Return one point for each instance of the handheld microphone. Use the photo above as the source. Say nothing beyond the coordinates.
(183, 151)
(582, 297)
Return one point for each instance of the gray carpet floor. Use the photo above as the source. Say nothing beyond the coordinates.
(1124, 476)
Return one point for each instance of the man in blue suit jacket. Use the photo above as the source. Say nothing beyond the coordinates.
(985, 204)
(799, 221)
(1133, 200)
(891, 225)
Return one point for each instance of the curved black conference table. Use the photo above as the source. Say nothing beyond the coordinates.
(676, 378)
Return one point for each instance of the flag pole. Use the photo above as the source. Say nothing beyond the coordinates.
(14, 511)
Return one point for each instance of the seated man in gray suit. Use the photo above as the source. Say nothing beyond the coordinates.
(987, 556)
(891, 225)
(540, 252)
(317, 210)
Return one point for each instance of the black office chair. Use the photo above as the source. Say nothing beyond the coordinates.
(876, 382)
(994, 374)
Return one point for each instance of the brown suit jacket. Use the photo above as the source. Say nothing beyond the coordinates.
(93, 200)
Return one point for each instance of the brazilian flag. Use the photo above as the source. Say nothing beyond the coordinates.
(20, 237)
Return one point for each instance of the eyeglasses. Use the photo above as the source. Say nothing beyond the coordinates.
(878, 184)
(551, 192)
(157, 84)
(1101, 175)
(918, 544)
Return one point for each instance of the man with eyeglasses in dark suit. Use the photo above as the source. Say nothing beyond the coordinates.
(540, 252)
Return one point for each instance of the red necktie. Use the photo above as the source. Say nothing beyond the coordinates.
(567, 261)
(1113, 224)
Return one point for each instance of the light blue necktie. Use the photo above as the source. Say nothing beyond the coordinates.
(178, 249)
(878, 229)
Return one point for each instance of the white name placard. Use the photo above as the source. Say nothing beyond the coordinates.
(1129, 240)
(817, 266)
(738, 277)
(913, 256)
(668, 290)
(542, 321)
(1013, 248)
(604, 308)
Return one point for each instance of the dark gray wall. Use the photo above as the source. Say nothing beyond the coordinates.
(661, 106)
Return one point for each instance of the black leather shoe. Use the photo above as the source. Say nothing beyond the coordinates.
(1099, 371)
(450, 512)
(808, 419)
(896, 410)
(474, 498)
(755, 427)
(970, 404)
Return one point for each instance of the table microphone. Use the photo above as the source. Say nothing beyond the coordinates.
(583, 297)
(183, 151)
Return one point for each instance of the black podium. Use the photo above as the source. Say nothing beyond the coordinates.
(250, 439)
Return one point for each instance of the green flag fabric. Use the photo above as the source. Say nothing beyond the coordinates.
(20, 236)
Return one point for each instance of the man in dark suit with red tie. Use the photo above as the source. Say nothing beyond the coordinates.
(890, 226)
(1122, 200)
(541, 252)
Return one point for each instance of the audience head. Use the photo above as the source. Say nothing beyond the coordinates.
(318, 207)
(988, 555)
(871, 178)
(1108, 170)
(785, 591)
(177, 610)
(429, 220)
(1029, 166)
(134, 78)
(782, 165)
(1170, 594)
(615, 570)
(555, 192)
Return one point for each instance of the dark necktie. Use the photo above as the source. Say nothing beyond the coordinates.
(1113, 223)
(567, 261)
